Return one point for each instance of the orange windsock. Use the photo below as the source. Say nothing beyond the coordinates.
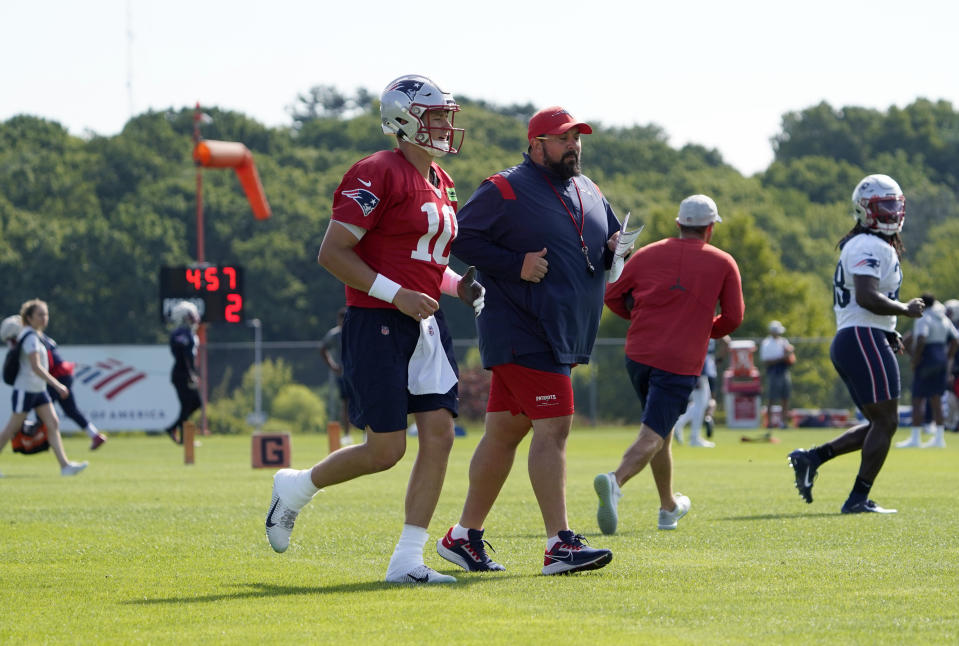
(220, 154)
(250, 180)
(231, 154)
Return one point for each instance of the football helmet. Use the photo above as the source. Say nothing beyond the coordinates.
(952, 310)
(403, 111)
(185, 313)
(10, 328)
(879, 204)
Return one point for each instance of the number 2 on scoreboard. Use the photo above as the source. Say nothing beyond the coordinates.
(231, 313)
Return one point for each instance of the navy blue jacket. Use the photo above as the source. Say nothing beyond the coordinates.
(182, 345)
(505, 220)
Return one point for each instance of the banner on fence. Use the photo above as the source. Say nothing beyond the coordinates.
(117, 387)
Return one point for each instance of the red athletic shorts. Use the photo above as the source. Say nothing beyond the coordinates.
(534, 393)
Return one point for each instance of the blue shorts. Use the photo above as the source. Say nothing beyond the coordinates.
(377, 346)
(929, 378)
(778, 384)
(866, 363)
(24, 402)
(664, 395)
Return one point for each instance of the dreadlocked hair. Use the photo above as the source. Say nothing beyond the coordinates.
(895, 239)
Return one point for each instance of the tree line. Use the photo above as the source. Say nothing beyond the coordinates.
(88, 221)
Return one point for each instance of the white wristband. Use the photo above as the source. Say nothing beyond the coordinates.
(383, 288)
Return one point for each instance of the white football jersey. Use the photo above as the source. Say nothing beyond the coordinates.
(935, 326)
(869, 255)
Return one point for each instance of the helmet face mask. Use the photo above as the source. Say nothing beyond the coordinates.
(879, 204)
(417, 110)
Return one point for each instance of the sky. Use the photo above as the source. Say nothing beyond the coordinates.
(717, 74)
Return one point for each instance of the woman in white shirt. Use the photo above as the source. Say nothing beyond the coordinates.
(30, 387)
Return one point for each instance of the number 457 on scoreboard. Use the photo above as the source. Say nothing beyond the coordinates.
(216, 290)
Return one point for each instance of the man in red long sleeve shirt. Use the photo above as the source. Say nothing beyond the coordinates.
(669, 291)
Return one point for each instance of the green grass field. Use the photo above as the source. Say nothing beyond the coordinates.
(142, 549)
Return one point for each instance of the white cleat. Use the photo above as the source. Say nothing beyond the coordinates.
(698, 441)
(911, 443)
(670, 519)
(280, 517)
(418, 574)
(73, 468)
(607, 514)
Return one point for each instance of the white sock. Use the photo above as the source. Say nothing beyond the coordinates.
(91, 430)
(916, 433)
(460, 532)
(409, 549)
(303, 490)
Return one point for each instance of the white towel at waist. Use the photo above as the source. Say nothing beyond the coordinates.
(429, 369)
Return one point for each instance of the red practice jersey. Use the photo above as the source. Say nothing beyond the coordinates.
(675, 285)
(409, 222)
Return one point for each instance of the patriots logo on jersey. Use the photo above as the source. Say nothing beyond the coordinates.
(872, 263)
(364, 198)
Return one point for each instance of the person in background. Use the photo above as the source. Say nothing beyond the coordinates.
(777, 356)
(716, 357)
(934, 342)
(184, 376)
(30, 388)
(701, 404)
(542, 236)
(388, 241)
(669, 291)
(952, 391)
(63, 372)
(695, 413)
(866, 342)
(331, 349)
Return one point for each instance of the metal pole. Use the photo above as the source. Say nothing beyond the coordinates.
(257, 362)
(201, 333)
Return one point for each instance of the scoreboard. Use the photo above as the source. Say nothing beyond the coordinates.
(216, 290)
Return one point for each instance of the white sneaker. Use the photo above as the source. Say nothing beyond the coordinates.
(698, 441)
(280, 517)
(73, 468)
(911, 443)
(669, 519)
(346, 440)
(938, 442)
(417, 574)
(609, 494)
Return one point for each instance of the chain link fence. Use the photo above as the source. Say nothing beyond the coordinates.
(602, 390)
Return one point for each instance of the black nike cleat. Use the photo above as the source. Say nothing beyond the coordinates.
(864, 507)
(571, 554)
(804, 465)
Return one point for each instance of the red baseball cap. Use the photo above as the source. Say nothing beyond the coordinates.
(554, 120)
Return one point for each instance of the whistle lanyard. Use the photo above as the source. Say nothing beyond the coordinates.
(572, 218)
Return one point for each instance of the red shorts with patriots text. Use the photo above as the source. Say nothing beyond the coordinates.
(534, 393)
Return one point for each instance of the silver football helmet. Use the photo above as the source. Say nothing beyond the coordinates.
(185, 313)
(879, 204)
(403, 110)
(10, 328)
